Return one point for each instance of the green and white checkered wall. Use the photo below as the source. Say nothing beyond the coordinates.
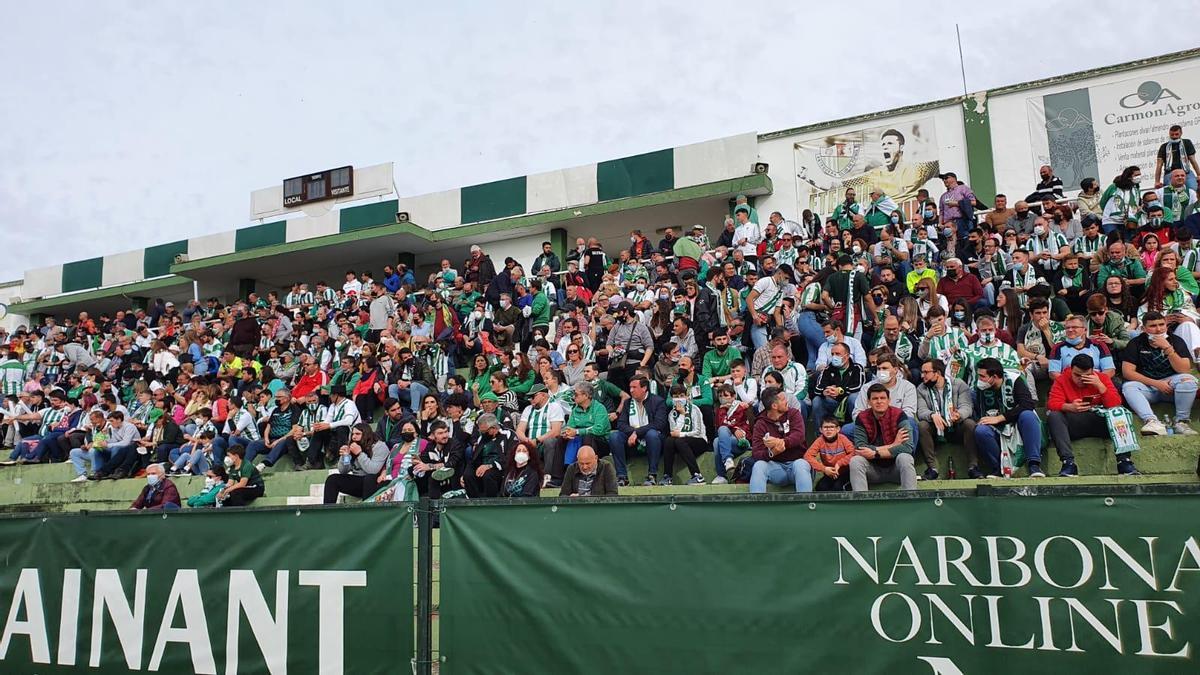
(657, 171)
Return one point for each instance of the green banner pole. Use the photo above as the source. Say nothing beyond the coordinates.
(424, 656)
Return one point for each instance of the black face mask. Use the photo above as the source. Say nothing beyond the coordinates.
(407, 436)
(683, 373)
(1022, 214)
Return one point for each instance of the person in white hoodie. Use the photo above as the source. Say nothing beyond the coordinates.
(891, 372)
(688, 437)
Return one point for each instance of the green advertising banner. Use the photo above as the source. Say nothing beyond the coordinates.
(254, 591)
(970, 585)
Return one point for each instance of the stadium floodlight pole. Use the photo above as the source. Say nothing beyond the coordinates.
(961, 66)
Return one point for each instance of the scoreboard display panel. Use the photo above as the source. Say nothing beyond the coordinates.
(315, 187)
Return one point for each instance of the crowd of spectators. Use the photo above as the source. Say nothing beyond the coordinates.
(843, 348)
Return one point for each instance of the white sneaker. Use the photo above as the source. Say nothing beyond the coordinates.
(1184, 429)
(261, 466)
(81, 478)
(719, 480)
(729, 466)
(1154, 428)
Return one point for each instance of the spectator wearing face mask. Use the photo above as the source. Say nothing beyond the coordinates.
(1021, 221)
(214, 482)
(891, 372)
(959, 285)
(159, 494)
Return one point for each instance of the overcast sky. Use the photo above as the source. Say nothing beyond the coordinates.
(127, 124)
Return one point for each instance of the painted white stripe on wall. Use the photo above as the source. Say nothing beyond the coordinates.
(124, 268)
(434, 211)
(42, 282)
(211, 245)
(560, 189)
(299, 229)
(716, 160)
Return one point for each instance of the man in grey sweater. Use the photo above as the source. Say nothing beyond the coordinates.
(944, 410)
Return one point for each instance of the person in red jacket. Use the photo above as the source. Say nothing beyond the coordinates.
(777, 445)
(959, 284)
(1072, 410)
(159, 494)
(312, 379)
(733, 432)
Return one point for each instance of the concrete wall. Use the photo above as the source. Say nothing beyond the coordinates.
(11, 320)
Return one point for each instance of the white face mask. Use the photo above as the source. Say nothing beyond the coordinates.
(228, 462)
(516, 363)
(209, 482)
(521, 458)
(857, 249)
(1039, 230)
(504, 304)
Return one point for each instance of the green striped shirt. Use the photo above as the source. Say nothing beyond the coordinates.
(970, 357)
(539, 420)
(12, 376)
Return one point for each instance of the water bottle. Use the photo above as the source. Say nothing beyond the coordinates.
(1006, 465)
(950, 472)
(344, 463)
(1167, 423)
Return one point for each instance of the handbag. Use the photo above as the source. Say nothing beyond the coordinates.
(619, 361)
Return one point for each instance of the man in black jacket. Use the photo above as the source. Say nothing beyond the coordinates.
(839, 385)
(705, 315)
(589, 477)
(489, 448)
(438, 470)
(642, 420)
(410, 380)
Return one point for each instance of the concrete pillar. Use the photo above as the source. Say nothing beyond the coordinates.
(558, 240)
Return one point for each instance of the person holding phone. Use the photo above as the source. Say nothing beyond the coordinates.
(1075, 398)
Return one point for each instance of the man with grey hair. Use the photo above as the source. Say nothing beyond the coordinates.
(958, 284)
(160, 494)
(587, 419)
(505, 320)
(489, 451)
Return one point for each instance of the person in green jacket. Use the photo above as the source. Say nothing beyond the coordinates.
(719, 360)
(522, 375)
(478, 376)
(588, 419)
(539, 317)
(214, 479)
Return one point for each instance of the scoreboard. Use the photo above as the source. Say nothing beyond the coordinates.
(319, 186)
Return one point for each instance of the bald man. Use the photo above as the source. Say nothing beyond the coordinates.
(589, 477)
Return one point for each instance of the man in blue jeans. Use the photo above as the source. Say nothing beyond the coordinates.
(1157, 367)
(777, 445)
(1005, 406)
(643, 419)
(884, 444)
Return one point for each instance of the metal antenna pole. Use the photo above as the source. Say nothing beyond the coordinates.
(961, 66)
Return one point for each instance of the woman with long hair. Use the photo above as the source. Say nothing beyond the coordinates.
(523, 472)
(359, 463)
(1165, 296)
(961, 316)
(429, 412)
(1150, 250)
(520, 374)
(1008, 311)
(927, 296)
(1116, 292)
(1168, 263)
(478, 374)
